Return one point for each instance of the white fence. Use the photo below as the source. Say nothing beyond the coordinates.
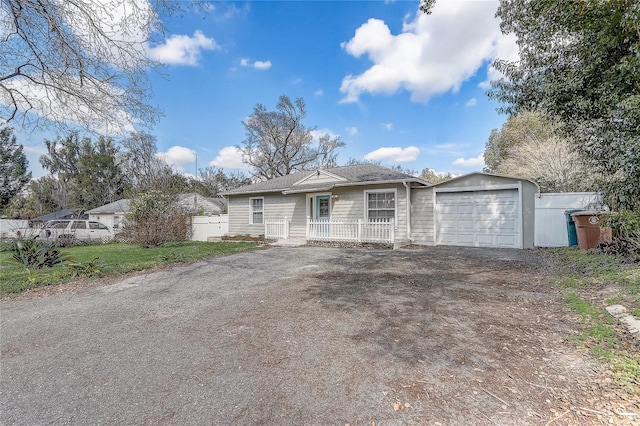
(551, 222)
(356, 230)
(276, 228)
(204, 227)
(8, 227)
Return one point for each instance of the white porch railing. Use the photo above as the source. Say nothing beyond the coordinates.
(276, 228)
(355, 230)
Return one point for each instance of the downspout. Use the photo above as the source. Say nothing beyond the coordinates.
(408, 204)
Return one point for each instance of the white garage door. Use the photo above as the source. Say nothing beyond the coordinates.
(478, 218)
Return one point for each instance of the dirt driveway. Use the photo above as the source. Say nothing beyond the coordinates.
(309, 335)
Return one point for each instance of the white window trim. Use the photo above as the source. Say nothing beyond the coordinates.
(251, 222)
(366, 202)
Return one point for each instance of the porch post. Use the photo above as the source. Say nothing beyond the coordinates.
(307, 228)
(392, 233)
(286, 228)
(359, 230)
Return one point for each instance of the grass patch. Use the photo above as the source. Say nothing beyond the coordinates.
(591, 282)
(108, 259)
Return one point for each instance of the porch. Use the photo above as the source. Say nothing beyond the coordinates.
(359, 231)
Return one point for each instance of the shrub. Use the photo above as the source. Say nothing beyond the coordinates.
(626, 231)
(154, 219)
(36, 253)
(85, 269)
(172, 257)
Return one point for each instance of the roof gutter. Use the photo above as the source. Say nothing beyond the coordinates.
(305, 190)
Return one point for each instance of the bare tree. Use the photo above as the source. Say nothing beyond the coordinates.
(431, 176)
(551, 163)
(217, 181)
(81, 62)
(531, 145)
(279, 144)
(141, 164)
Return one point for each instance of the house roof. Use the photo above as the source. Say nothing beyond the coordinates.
(357, 174)
(120, 206)
(197, 203)
(465, 176)
(205, 204)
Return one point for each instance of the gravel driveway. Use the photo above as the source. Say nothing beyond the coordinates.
(303, 336)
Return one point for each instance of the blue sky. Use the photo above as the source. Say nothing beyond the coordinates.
(397, 86)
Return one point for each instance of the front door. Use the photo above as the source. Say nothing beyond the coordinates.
(322, 214)
(322, 207)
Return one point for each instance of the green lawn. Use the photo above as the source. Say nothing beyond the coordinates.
(591, 281)
(108, 259)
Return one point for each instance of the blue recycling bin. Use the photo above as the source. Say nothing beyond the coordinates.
(571, 227)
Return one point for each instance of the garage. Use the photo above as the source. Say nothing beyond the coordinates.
(483, 210)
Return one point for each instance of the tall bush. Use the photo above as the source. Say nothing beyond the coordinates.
(155, 218)
(626, 230)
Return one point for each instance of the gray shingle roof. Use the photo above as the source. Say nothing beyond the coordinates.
(357, 174)
(206, 204)
(120, 206)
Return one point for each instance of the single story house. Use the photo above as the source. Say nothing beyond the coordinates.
(369, 203)
(113, 214)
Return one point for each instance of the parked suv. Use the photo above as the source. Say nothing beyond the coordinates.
(69, 229)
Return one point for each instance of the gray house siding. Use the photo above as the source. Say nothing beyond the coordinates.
(276, 206)
(350, 205)
(346, 204)
(422, 220)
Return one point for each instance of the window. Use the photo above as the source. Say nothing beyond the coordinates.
(61, 224)
(97, 225)
(256, 213)
(381, 205)
(79, 224)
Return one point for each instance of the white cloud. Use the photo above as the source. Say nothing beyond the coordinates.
(262, 65)
(431, 55)
(470, 162)
(182, 49)
(398, 154)
(259, 65)
(352, 130)
(447, 149)
(39, 150)
(387, 126)
(178, 156)
(229, 157)
(318, 133)
(471, 102)
(318, 92)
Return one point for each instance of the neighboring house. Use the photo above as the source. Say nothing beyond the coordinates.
(113, 214)
(198, 205)
(366, 202)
